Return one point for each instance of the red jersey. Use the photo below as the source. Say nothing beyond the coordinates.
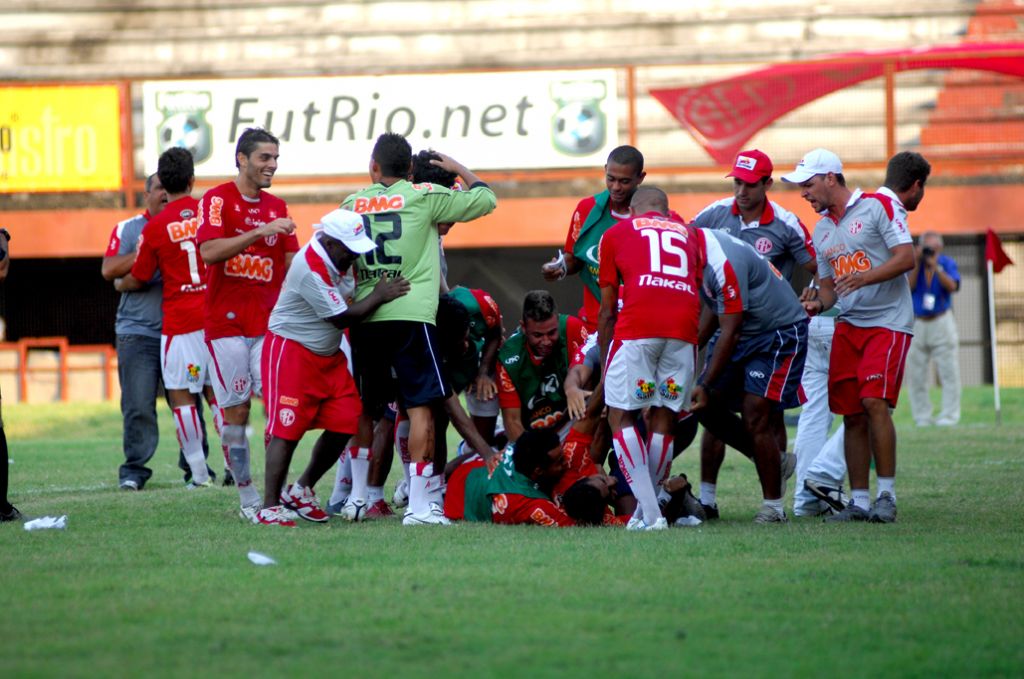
(660, 264)
(168, 244)
(242, 290)
(514, 510)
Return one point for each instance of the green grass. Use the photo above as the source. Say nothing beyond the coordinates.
(157, 583)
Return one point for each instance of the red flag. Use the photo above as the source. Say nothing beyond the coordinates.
(994, 252)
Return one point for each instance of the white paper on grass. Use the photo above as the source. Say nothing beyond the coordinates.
(261, 559)
(45, 522)
(688, 521)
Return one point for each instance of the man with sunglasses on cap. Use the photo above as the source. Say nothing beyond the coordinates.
(864, 250)
(306, 375)
(781, 238)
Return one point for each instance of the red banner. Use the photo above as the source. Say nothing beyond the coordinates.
(723, 115)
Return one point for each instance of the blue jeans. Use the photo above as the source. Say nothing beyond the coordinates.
(138, 369)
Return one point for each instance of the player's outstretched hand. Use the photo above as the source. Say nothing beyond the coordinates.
(576, 400)
(448, 164)
(391, 288)
(698, 397)
(485, 387)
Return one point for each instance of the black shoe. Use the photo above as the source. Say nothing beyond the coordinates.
(10, 514)
(710, 511)
(833, 497)
(229, 479)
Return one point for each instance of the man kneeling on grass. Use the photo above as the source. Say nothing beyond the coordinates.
(306, 377)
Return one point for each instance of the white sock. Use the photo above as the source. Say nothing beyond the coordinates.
(659, 456)
(190, 438)
(861, 498)
(374, 493)
(435, 489)
(218, 424)
(342, 478)
(776, 505)
(887, 485)
(632, 456)
(360, 472)
(707, 493)
(238, 453)
(419, 473)
(664, 497)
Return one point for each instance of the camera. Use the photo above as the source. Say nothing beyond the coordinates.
(927, 252)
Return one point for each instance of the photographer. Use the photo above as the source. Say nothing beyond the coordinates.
(932, 283)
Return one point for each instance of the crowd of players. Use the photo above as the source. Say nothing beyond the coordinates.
(358, 334)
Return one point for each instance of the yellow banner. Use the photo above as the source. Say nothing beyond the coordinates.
(60, 138)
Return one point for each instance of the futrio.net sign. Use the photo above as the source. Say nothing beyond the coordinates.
(535, 119)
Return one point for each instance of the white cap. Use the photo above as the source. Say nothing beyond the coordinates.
(347, 226)
(818, 161)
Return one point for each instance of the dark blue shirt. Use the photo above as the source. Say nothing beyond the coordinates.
(932, 300)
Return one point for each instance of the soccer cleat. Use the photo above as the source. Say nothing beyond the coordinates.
(788, 463)
(401, 497)
(884, 509)
(378, 510)
(192, 485)
(304, 504)
(249, 512)
(833, 497)
(851, 512)
(770, 515)
(354, 510)
(129, 484)
(11, 514)
(635, 523)
(273, 516)
(812, 508)
(710, 511)
(660, 524)
(334, 508)
(433, 517)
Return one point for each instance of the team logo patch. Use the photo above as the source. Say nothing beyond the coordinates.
(286, 416)
(579, 126)
(644, 389)
(670, 389)
(746, 162)
(271, 240)
(288, 401)
(856, 226)
(193, 372)
(729, 292)
(240, 385)
(763, 245)
(756, 374)
(184, 123)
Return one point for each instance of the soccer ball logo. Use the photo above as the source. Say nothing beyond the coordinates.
(579, 126)
(184, 123)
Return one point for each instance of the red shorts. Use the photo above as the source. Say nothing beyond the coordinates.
(865, 363)
(304, 391)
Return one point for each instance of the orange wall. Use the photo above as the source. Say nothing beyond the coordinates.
(524, 221)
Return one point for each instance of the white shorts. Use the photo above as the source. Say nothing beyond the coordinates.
(649, 372)
(235, 369)
(480, 408)
(184, 360)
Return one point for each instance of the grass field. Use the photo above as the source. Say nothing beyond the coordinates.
(158, 584)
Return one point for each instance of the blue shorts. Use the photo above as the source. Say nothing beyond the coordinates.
(770, 365)
(397, 361)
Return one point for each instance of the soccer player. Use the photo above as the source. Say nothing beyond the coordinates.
(533, 364)
(307, 380)
(168, 246)
(8, 512)
(394, 349)
(247, 240)
(649, 347)
(864, 250)
(753, 366)
(623, 173)
(778, 235)
(478, 368)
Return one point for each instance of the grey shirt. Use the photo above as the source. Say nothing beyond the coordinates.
(738, 279)
(139, 311)
(872, 225)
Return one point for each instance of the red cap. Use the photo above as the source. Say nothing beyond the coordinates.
(751, 166)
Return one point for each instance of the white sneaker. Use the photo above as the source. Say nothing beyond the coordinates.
(249, 512)
(639, 524)
(433, 517)
(401, 497)
(354, 510)
(660, 524)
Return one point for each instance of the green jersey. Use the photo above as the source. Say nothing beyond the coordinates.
(402, 220)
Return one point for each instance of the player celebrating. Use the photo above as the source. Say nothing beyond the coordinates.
(623, 173)
(397, 342)
(247, 240)
(864, 249)
(168, 245)
(650, 346)
(307, 379)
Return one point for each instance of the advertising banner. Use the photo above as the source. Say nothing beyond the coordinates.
(60, 138)
(500, 120)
